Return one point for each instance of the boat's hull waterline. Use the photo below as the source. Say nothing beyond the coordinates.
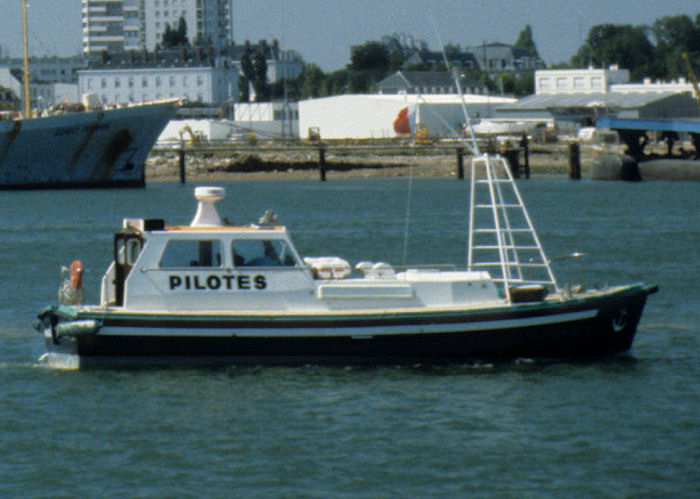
(597, 324)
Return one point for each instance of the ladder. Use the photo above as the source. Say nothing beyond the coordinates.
(502, 239)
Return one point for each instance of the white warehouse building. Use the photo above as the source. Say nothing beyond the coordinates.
(360, 116)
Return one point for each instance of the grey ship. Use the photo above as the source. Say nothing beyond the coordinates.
(102, 148)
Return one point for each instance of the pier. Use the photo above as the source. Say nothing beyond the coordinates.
(333, 158)
(656, 149)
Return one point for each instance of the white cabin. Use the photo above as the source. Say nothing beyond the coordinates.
(210, 267)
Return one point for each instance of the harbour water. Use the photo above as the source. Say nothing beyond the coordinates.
(621, 427)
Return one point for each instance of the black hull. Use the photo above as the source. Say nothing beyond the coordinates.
(106, 184)
(608, 330)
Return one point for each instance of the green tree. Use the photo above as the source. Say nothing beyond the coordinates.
(260, 83)
(312, 82)
(175, 37)
(526, 41)
(624, 45)
(370, 56)
(247, 74)
(525, 84)
(338, 82)
(674, 36)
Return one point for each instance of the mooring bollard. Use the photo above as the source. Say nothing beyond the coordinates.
(460, 163)
(574, 161)
(322, 163)
(181, 154)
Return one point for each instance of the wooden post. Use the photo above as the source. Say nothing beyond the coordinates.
(513, 158)
(460, 163)
(574, 161)
(181, 154)
(526, 153)
(322, 163)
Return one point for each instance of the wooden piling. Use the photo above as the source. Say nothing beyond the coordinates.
(322, 163)
(525, 148)
(574, 161)
(513, 158)
(460, 163)
(181, 154)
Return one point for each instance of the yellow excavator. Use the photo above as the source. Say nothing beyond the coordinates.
(693, 78)
(196, 138)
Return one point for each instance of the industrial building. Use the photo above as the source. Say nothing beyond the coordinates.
(362, 116)
(567, 99)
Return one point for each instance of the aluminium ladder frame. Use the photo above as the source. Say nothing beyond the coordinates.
(505, 229)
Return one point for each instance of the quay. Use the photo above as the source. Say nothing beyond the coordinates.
(344, 159)
(655, 149)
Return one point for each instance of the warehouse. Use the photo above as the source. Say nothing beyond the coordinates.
(372, 116)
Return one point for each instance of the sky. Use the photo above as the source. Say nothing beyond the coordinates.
(323, 31)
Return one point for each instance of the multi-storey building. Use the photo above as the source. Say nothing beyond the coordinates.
(51, 79)
(119, 25)
(196, 75)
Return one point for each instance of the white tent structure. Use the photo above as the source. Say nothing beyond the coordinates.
(361, 116)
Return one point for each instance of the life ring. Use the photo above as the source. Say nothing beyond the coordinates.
(76, 274)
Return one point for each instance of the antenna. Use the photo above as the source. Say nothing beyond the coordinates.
(475, 144)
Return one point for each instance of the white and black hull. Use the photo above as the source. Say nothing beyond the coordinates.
(601, 324)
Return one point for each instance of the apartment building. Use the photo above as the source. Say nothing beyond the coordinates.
(122, 25)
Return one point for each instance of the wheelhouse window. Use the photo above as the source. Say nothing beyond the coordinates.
(262, 253)
(191, 253)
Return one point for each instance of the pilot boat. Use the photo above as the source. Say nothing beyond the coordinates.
(209, 292)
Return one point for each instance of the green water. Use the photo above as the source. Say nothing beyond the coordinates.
(619, 427)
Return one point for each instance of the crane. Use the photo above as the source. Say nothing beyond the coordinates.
(693, 78)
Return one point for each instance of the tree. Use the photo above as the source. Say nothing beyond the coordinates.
(371, 55)
(248, 74)
(624, 45)
(175, 37)
(526, 41)
(260, 83)
(525, 84)
(674, 36)
(312, 81)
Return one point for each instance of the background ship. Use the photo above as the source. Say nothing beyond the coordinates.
(96, 148)
(105, 148)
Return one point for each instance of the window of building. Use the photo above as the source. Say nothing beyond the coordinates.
(579, 82)
(131, 82)
(117, 83)
(144, 82)
(172, 81)
(103, 83)
(158, 81)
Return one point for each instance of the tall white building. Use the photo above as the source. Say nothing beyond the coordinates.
(118, 25)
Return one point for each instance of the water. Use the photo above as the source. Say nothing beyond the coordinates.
(619, 427)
